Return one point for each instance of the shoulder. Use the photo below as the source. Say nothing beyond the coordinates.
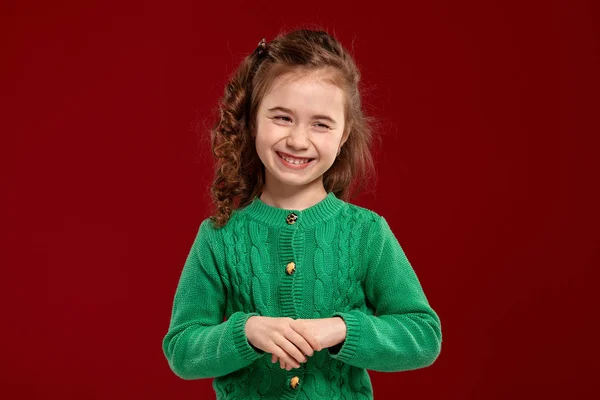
(360, 221)
(208, 226)
(227, 234)
(362, 214)
(205, 233)
(372, 222)
(209, 233)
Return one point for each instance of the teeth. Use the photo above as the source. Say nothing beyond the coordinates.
(293, 160)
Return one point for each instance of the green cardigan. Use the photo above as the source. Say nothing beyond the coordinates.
(348, 264)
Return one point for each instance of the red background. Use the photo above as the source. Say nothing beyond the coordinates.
(488, 175)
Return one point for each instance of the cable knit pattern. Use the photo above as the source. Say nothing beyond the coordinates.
(260, 261)
(348, 264)
(242, 267)
(323, 256)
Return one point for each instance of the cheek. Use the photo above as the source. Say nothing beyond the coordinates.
(261, 146)
(268, 133)
(264, 143)
(327, 147)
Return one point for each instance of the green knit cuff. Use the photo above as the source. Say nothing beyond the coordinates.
(238, 319)
(350, 344)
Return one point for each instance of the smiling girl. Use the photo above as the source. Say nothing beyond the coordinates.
(303, 278)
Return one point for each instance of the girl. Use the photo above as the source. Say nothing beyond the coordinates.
(304, 279)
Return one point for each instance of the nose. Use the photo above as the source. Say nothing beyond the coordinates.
(298, 138)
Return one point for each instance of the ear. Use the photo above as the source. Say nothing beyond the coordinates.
(344, 138)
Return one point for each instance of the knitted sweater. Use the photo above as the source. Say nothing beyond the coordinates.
(348, 263)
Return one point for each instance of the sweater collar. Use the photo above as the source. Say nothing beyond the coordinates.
(278, 217)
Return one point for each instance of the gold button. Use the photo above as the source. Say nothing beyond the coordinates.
(290, 268)
(291, 218)
(294, 382)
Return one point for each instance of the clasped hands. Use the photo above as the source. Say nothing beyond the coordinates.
(291, 341)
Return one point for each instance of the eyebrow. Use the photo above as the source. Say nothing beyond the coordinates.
(287, 110)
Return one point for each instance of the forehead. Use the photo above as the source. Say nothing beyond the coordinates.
(305, 92)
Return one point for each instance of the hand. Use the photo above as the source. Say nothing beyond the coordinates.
(276, 336)
(320, 333)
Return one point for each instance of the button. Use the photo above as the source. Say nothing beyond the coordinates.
(291, 218)
(294, 382)
(290, 268)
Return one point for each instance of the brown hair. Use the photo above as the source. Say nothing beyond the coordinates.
(239, 172)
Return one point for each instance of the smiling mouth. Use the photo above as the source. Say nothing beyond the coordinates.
(294, 160)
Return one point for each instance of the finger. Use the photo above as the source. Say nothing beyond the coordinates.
(282, 364)
(300, 342)
(274, 358)
(293, 355)
(289, 367)
(310, 338)
(284, 358)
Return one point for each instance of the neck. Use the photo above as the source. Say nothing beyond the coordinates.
(294, 197)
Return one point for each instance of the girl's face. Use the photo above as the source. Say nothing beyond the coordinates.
(300, 119)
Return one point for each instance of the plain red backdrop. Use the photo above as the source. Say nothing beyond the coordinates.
(488, 175)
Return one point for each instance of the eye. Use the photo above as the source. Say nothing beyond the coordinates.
(288, 119)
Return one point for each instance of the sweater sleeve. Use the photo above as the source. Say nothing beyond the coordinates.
(198, 343)
(405, 332)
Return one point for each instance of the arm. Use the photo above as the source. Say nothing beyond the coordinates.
(198, 343)
(405, 333)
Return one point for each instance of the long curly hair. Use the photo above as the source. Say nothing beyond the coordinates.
(239, 172)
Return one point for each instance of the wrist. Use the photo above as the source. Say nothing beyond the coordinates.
(248, 335)
(341, 328)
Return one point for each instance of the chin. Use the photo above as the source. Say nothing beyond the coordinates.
(294, 182)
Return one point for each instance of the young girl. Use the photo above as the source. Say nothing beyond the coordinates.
(315, 290)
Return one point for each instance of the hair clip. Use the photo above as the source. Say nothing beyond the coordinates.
(262, 45)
